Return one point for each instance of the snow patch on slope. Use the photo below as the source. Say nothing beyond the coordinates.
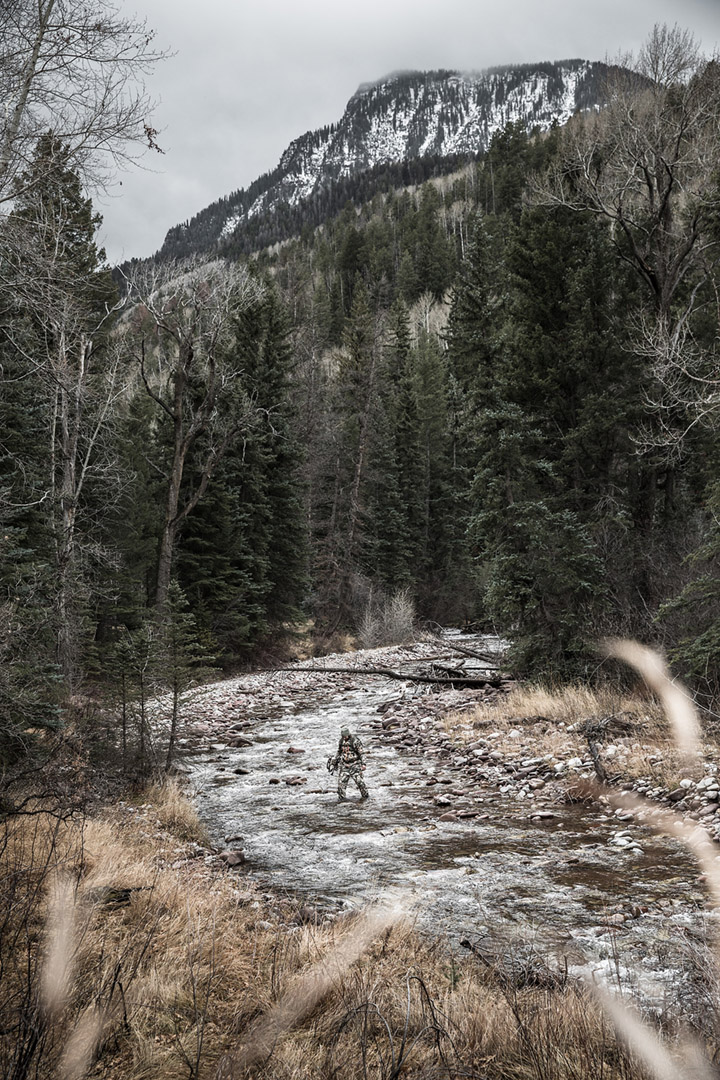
(416, 114)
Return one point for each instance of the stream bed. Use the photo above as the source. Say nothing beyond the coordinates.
(500, 878)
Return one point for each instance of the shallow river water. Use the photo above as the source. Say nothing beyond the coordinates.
(499, 879)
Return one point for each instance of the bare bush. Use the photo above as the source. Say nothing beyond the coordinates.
(388, 620)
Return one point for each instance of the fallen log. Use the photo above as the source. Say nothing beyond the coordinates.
(462, 682)
(486, 657)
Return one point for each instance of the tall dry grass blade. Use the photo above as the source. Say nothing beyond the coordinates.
(675, 698)
(57, 969)
(307, 990)
(82, 1045)
(642, 1041)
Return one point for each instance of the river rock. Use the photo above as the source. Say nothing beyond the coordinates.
(232, 857)
(294, 781)
(295, 750)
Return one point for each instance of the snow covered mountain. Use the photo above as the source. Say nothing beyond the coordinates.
(407, 116)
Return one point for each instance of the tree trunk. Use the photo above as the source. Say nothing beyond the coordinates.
(12, 126)
(182, 443)
(173, 727)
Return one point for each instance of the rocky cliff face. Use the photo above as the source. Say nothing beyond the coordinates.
(406, 116)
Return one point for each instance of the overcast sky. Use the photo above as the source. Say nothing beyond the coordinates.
(247, 78)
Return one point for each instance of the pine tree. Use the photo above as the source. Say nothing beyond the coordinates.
(56, 334)
(554, 458)
(394, 502)
(242, 556)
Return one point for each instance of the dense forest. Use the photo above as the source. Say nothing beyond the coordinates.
(492, 392)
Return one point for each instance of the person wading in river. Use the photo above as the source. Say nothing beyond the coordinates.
(350, 764)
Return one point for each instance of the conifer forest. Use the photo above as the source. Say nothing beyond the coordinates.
(494, 390)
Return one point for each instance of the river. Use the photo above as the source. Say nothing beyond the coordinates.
(501, 878)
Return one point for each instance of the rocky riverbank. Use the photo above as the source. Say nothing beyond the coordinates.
(478, 819)
(469, 760)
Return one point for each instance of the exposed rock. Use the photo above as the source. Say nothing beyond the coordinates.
(232, 857)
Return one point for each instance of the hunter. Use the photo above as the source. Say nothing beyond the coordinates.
(350, 764)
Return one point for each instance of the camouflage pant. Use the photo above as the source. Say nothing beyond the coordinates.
(353, 772)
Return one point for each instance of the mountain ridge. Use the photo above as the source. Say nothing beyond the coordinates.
(441, 115)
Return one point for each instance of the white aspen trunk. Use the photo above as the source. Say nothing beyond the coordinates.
(15, 119)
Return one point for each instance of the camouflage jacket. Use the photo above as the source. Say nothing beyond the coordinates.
(350, 753)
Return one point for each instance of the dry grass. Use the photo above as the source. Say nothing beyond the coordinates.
(567, 705)
(175, 811)
(154, 966)
(546, 724)
(124, 956)
(337, 643)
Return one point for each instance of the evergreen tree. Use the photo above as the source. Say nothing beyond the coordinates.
(434, 253)
(555, 461)
(395, 504)
(242, 556)
(56, 339)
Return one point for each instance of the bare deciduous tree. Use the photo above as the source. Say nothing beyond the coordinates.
(649, 164)
(63, 301)
(184, 329)
(75, 67)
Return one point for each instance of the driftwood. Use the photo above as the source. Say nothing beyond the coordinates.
(515, 972)
(486, 657)
(456, 682)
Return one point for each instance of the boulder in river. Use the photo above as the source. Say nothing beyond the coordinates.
(238, 740)
(232, 857)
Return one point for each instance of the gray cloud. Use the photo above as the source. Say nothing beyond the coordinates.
(246, 78)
